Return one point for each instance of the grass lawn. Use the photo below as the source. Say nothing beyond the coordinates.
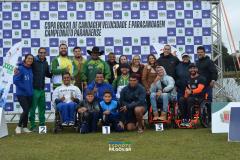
(172, 144)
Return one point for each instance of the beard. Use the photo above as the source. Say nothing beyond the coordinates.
(77, 56)
(63, 53)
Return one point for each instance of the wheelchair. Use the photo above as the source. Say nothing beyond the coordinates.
(58, 127)
(170, 121)
(200, 114)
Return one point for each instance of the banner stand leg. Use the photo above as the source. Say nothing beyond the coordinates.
(3, 125)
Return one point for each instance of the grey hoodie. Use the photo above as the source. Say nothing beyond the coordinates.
(168, 82)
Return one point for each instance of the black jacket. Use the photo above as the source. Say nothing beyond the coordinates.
(207, 69)
(169, 62)
(182, 75)
(40, 70)
(112, 73)
(133, 96)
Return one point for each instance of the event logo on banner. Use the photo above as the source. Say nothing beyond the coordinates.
(127, 27)
(7, 71)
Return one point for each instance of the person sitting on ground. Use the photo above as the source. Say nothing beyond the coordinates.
(88, 113)
(121, 81)
(66, 97)
(110, 112)
(161, 90)
(194, 93)
(133, 104)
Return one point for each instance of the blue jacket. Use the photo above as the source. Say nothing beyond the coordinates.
(101, 89)
(24, 81)
(112, 106)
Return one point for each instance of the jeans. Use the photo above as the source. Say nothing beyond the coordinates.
(67, 111)
(164, 97)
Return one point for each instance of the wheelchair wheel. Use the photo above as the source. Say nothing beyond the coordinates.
(205, 119)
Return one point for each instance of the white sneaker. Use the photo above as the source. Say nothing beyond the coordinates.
(26, 130)
(18, 130)
(71, 123)
(64, 124)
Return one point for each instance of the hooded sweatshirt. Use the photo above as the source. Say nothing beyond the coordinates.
(24, 81)
(165, 84)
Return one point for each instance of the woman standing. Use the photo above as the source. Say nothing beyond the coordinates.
(137, 68)
(149, 74)
(122, 60)
(23, 79)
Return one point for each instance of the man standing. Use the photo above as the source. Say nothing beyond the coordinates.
(168, 61)
(182, 74)
(207, 69)
(133, 104)
(113, 66)
(40, 69)
(78, 61)
(61, 64)
(93, 65)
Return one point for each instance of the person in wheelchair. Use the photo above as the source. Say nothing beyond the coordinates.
(66, 97)
(193, 94)
(88, 113)
(161, 90)
(110, 114)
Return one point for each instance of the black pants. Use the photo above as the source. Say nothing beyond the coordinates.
(91, 118)
(186, 105)
(26, 103)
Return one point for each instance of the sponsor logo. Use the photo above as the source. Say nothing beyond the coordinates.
(225, 116)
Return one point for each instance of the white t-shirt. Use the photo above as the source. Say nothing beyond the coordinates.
(67, 92)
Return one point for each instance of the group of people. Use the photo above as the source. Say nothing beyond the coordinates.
(111, 93)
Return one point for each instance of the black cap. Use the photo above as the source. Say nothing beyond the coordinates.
(192, 65)
(125, 65)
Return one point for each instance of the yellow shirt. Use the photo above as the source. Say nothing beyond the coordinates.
(65, 62)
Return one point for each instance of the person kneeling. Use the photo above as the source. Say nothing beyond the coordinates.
(110, 114)
(133, 104)
(88, 113)
(66, 98)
